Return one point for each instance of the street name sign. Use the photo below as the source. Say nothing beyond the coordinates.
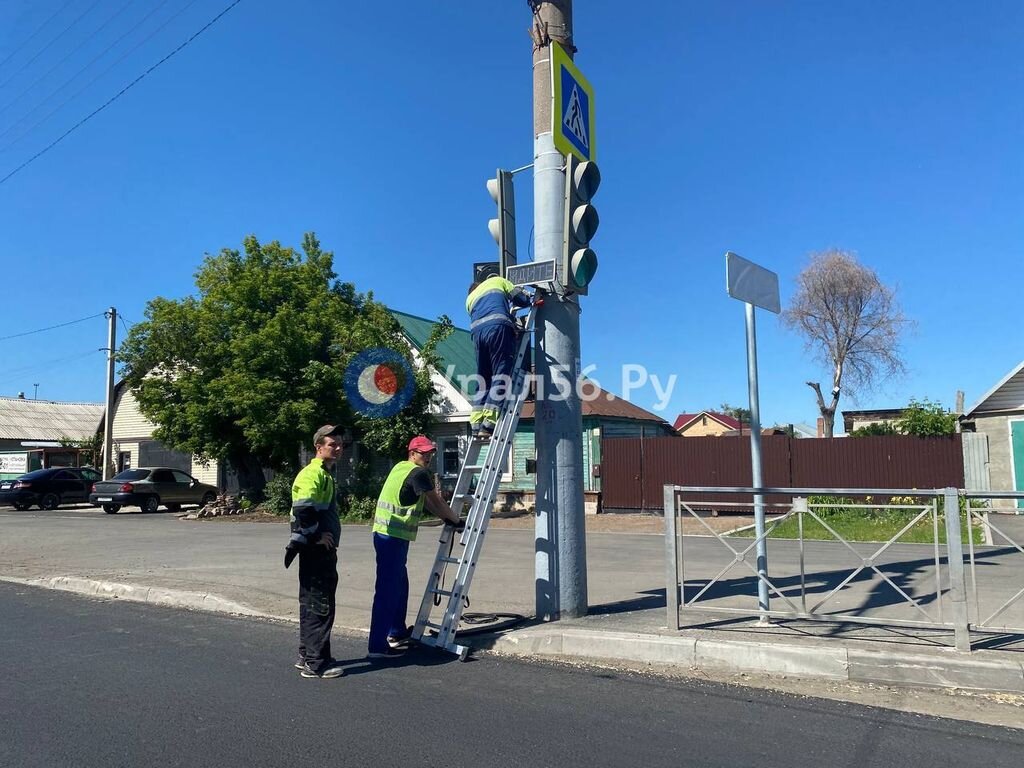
(572, 113)
(746, 281)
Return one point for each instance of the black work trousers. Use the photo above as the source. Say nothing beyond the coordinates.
(318, 586)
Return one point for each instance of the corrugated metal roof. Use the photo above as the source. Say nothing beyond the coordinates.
(22, 419)
(458, 358)
(1010, 399)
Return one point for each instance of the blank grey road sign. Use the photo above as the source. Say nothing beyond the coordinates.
(746, 281)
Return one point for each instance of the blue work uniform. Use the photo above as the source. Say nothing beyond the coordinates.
(494, 336)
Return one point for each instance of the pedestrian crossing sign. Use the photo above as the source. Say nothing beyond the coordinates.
(572, 113)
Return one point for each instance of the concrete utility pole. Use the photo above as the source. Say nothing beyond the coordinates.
(108, 439)
(560, 556)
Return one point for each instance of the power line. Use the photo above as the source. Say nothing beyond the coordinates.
(46, 47)
(124, 325)
(67, 56)
(16, 373)
(39, 29)
(52, 327)
(118, 95)
(81, 71)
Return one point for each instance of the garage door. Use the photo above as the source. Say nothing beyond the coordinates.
(156, 454)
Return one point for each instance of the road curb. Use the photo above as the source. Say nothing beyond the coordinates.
(171, 598)
(941, 670)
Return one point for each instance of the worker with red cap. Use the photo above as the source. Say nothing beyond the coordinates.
(408, 489)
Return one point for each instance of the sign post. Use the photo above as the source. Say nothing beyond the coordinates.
(754, 286)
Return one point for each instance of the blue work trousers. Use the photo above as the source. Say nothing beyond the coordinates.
(391, 592)
(495, 359)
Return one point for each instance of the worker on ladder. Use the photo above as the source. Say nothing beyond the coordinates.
(490, 305)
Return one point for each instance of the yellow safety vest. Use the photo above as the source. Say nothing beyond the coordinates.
(392, 517)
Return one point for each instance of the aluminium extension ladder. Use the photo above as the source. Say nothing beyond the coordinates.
(479, 500)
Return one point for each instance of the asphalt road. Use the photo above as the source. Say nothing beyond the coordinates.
(91, 683)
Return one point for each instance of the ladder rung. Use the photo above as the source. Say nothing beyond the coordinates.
(474, 466)
(450, 560)
(431, 624)
(444, 592)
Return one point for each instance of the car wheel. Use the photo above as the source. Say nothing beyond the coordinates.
(111, 509)
(208, 498)
(49, 501)
(21, 506)
(151, 504)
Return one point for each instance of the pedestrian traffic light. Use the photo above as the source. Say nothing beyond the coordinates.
(503, 228)
(579, 262)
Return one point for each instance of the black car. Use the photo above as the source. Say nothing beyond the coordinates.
(49, 488)
(149, 488)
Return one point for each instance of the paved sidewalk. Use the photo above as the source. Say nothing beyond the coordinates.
(236, 567)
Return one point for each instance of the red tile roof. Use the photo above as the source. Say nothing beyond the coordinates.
(599, 402)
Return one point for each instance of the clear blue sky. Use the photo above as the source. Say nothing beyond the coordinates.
(771, 129)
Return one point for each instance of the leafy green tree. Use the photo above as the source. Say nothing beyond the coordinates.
(248, 368)
(920, 418)
(742, 415)
(873, 430)
(925, 418)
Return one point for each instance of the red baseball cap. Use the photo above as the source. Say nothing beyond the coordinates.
(422, 443)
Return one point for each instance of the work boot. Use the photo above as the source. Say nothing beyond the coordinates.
(400, 640)
(389, 655)
(327, 674)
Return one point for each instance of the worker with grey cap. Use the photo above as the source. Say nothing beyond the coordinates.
(315, 534)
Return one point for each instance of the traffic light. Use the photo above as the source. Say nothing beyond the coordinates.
(503, 228)
(579, 262)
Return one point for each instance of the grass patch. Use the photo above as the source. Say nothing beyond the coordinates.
(860, 523)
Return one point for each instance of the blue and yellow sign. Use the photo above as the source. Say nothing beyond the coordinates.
(572, 114)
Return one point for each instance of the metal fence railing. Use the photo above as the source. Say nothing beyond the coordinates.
(960, 572)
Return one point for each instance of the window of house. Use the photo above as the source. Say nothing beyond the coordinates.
(449, 457)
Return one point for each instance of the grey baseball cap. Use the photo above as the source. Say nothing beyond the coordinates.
(327, 430)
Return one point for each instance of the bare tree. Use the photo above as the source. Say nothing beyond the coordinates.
(849, 320)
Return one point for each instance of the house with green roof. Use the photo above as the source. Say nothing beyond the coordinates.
(604, 416)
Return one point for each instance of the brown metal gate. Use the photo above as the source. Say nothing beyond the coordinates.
(623, 457)
(634, 470)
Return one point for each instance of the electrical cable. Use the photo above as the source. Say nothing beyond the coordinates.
(487, 622)
(39, 29)
(11, 374)
(118, 95)
(67, 56)
(46, 47)
(51, 327)
(81, 71)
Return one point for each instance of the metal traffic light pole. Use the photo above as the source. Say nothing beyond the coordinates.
(560, 559)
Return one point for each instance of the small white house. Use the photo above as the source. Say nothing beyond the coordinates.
(998, 421)
(134, 445)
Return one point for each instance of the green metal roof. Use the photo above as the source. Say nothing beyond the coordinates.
(458, 357)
